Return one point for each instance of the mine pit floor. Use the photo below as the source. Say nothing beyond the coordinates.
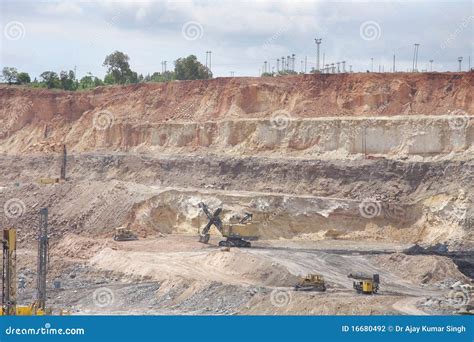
(175, 274)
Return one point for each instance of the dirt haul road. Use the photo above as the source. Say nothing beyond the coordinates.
(174, 274)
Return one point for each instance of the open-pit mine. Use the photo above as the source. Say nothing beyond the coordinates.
(341, 174)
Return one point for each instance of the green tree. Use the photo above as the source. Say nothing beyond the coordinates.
(118, 69)
(161, 77)
(23, 78)
(90, 81)
(10, 75)
(50, 79)
(68, 80)
(190, 68)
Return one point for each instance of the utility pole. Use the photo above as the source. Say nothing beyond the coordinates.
(278, 64)
(344, 66)
(210, 63)
(393, 67)
(293, 61)
(338, 69)
(318, 43)
(372, 64)
(324, 57)
(431, 64)
(283, 63)
(460, 61)
(265, 67)
(415, 57)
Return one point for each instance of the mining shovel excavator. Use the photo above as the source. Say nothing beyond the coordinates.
(236, 234)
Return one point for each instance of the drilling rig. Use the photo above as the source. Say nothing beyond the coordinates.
(43, 259)
(9, 275)
(62, 173)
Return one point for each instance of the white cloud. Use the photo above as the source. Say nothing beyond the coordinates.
(241, 34)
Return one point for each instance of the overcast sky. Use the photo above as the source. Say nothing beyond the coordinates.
(61, 35)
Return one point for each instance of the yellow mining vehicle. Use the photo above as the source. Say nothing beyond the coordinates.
(124, 234)
(366, 284)
(9, 275)
(311, 282)
(62, 176)
(237, 231)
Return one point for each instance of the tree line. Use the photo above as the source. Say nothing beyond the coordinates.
(118, 72)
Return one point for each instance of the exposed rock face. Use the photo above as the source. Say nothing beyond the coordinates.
(123, 117)
(303, 153)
